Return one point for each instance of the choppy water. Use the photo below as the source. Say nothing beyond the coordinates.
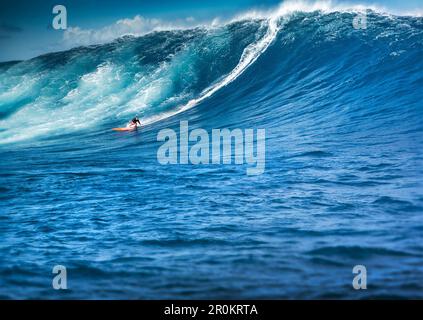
(342, 109)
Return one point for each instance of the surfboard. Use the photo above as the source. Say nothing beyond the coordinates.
(125, 129)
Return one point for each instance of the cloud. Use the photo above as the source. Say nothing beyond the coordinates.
(137, 26)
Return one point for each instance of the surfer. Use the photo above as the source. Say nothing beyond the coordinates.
(131, 126)
(135, 122)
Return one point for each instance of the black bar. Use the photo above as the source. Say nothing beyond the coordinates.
(214, 309)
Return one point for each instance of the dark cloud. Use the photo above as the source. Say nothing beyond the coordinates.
(10, 28)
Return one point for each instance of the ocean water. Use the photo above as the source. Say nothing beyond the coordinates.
(343, 114)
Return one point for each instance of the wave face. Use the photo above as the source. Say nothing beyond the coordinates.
(342, 109)
(147, 75)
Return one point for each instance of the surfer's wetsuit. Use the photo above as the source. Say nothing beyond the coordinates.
(135, 121)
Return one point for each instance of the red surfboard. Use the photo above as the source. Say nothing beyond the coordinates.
(126, 129)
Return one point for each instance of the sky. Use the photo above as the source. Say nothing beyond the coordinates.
(26, 25)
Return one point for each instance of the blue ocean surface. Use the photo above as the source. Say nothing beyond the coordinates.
(343, 184)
